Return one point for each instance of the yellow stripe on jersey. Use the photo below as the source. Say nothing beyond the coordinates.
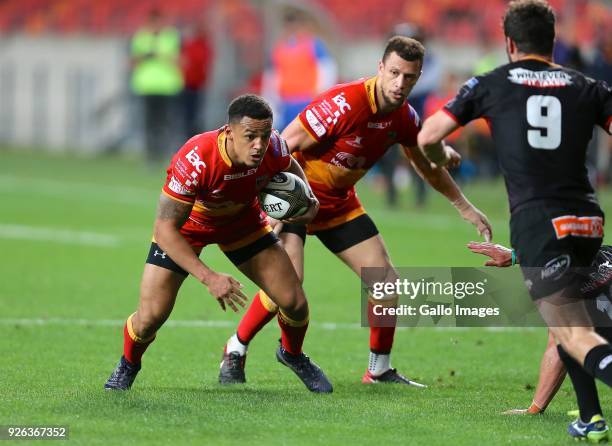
(246, 240)
(222, 146)
(229, 208)
(176, 199)
(332, 176)
(370, 86)
(337, 221)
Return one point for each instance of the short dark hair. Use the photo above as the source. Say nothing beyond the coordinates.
(405, 47)
(531, 25)
(249, 105)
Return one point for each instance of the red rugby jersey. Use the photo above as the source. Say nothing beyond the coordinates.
(201, 173)
(351, 134)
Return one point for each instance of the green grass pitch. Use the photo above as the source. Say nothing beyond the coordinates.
(73, 238)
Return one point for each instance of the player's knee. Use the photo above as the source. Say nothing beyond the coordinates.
(146, 322)
(296, 304)
(571, 337)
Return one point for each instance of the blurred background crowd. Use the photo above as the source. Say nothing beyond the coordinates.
(142, 76)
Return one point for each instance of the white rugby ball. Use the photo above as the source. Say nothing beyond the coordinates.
(285, 196)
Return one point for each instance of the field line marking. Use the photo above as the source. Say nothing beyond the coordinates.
(331, 326)
(64, 236)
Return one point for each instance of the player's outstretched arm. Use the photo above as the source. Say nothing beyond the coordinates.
(440, 179)
(435, 129)
(313, 207)
(552, 374)
(552, 371)
(171, 215)
(499, 255)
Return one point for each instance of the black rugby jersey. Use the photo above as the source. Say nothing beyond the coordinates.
(541, 117)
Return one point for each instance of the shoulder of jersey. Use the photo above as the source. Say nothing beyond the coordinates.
(203, 141)
(353, 89)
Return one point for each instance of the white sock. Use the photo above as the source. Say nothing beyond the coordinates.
(379, 364)
(234, 345)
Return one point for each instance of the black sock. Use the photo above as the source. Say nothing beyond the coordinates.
(598, 362)
(584, 386)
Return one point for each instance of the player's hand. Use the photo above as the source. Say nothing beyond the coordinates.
(277, 225)
(498, 255)
(451, 158)
(227, 291)
(472, 214)
(531, 410)
(307, 217)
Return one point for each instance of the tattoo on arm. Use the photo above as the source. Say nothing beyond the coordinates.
(169, 209)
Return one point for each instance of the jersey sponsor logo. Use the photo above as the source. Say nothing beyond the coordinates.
(554, 269)
(544, 79)
(178, 188)
(194, 158)
(471, 83)
(181, 168)
(348, 161)
(466, 89)
(605, 362)
(193, 180)
(571, 225)
(235, 176)
(315, 124)
(379, 125)
(604, 305)
(356, 142)
(340, 101)
(162, 254)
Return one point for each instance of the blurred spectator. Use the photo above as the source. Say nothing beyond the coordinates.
(300, 67)
(566, 51)
(489, 60)
(601, 69)
(157, 79)
(437, 100)
(196, 62)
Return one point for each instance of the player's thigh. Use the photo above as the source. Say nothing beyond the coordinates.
(293, 243)
(272, 270)
(158, 290)
(373, 255)
(358, 244)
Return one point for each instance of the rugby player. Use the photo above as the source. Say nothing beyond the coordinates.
(598, 292)
(210, 196)
(541, 117)
(337, 138)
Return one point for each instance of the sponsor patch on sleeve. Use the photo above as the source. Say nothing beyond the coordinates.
(317, 127)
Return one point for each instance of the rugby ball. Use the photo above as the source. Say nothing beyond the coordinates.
(285, 196)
